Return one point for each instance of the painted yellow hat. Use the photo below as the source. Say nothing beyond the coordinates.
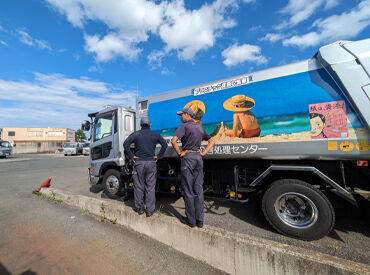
(239, 103)
(198, 108)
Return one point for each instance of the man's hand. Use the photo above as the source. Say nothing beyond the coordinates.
(176, 146)
(211, 143)
(182, 154)
(156, 158)
(134, 158)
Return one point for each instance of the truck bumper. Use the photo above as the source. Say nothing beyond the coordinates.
(92, 179)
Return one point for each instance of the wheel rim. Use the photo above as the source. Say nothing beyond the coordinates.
(296, 210)
(112, 184)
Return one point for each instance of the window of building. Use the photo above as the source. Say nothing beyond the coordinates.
(34, 134)
(11, 133)
(70, 135)
(55, 134)
(38, 144)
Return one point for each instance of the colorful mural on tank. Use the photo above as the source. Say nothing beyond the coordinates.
(301, 107)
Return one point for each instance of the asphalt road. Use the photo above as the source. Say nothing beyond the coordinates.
(350, 238)
(39, 236)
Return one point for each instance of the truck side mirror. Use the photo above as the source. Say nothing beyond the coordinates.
(85, 125)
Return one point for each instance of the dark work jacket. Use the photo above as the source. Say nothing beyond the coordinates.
(145, 142)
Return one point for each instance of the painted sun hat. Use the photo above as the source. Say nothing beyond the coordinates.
(198, 108)
(239, 103)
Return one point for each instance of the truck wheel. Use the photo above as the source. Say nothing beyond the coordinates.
(297, 209)
(113, 185)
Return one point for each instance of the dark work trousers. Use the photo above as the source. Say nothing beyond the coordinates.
(192, 186)
(144, 176)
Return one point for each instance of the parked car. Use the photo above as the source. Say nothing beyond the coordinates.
(85, 149)
(6, 149)
(72, 148)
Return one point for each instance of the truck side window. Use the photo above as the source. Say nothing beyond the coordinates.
(103, 127)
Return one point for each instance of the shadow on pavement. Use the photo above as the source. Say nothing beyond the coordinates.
(3, 270)
(96, 188)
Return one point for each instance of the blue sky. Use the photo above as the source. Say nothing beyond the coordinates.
(61, 59)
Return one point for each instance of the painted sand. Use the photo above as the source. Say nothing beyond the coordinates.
(220, 137)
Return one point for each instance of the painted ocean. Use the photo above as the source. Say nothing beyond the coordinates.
(286, 124)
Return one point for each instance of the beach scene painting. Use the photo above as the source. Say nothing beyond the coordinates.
(301, 107)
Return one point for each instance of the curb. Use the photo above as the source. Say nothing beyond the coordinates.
(234, 253)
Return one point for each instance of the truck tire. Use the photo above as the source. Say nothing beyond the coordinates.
(297, 209)
(113, 185)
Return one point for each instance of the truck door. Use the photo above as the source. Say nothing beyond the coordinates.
(129, 123)
(128, 127)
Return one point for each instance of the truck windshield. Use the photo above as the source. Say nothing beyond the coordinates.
(5, 144)
(69, 145)
(103, 127)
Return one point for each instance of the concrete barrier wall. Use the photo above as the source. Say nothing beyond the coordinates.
(227, 251)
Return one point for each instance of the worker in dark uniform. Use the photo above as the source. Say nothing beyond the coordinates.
(145, 167)
(191, 135)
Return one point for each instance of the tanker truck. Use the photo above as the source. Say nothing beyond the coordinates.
(292, 134)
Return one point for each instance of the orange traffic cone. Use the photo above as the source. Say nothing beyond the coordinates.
(44, 185)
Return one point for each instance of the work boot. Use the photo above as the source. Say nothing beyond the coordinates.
(184, 220)
(140, 211)
(200, 224)
(149, 214)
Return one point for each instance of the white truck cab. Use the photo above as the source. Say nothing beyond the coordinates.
(109, 128)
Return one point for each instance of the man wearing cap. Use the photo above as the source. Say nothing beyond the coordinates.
(191, 135)
(145, 168)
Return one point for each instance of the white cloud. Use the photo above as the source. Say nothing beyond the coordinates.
(2, 29)
(55, 100)
(272, 37)
(249, 1)
(344, 26)
(236, 54)
(110, 47)
(301, 10)
(188, 32)
(131, 22)
(3, 43)
(25, 38)
(155, 58)
(166, 71)
(95, 69)
(255, 28)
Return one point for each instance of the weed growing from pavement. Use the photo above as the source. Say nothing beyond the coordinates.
(50, 198)
(104, 218)
(85, 212)
(160, 210)
(333, 247)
